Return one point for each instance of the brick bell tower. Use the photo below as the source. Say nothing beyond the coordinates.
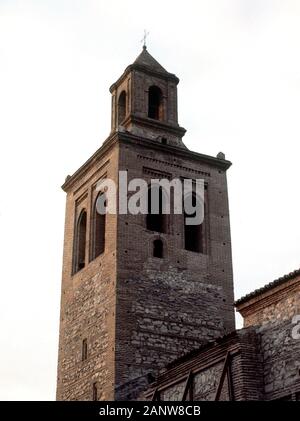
(138, 293)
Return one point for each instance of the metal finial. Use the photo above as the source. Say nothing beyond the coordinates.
(144, 39)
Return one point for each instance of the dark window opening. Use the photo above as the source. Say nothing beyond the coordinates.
(95, 392)
(164, 140)
(158, 249)
(80, 241)
(193, 234)
(121, 107)
(156, 220)
(98, 228)
(155, 106)
(84, 350)
(193, 237)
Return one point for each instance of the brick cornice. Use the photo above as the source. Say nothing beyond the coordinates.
(156, 124)
(127, 137)
(222, 164)
(145, 70)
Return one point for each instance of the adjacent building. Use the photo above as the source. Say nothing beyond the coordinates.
(259, 362)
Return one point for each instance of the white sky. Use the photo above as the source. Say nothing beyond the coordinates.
(239, 65)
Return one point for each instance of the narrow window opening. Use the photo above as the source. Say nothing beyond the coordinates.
(98, 228)
(193, 238)
(158, 249)
(156, 221)
(80, 242)
(121, 107)
(164, 141)
(84, 350)
(193, 234)
(95, 392)
(155, 106)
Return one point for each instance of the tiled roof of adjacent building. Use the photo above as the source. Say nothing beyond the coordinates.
(267, 287)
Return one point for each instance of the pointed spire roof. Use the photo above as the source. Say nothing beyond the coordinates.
(147, 64)
(146, 60)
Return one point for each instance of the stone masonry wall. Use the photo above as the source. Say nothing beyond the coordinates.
(280, 357)
(206, 366)
(168, 325)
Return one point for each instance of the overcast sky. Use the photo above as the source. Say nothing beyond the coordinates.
(239, 67)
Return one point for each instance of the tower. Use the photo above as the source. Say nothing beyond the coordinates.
(138, 292)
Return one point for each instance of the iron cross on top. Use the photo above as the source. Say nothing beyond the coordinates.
(144, 39)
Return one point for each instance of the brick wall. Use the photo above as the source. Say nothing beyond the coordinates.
(88, 297)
